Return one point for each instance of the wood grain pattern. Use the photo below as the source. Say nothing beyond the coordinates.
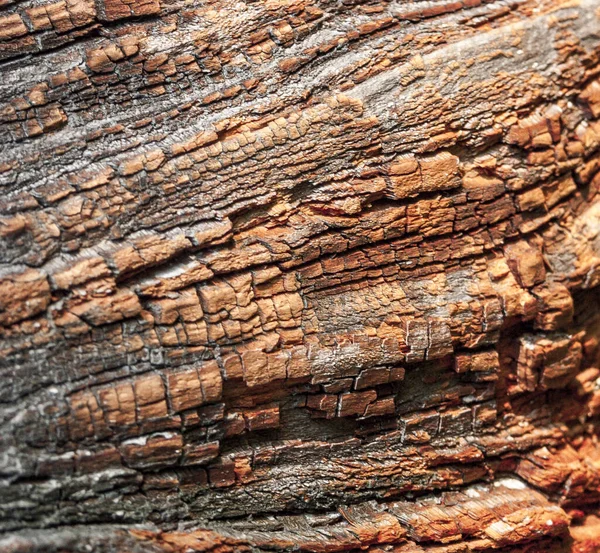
(300, 275)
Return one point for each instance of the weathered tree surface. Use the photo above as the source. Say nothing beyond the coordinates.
(316, 275)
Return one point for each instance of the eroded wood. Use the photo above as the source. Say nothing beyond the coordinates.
(300, 275)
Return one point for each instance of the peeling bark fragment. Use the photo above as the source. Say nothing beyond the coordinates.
(23, 295)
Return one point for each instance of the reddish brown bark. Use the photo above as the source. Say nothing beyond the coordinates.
(301, 275)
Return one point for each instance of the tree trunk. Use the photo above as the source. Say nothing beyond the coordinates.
(317, 275)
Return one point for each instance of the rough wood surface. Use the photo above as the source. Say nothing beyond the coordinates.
(316, 275)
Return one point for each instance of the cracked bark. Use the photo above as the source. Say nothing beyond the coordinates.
(304, 275)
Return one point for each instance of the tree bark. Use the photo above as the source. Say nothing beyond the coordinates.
(303, 275)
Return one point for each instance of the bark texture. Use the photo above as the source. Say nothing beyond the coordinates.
(316, 275)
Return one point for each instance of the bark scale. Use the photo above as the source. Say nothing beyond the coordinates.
(300, 275)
